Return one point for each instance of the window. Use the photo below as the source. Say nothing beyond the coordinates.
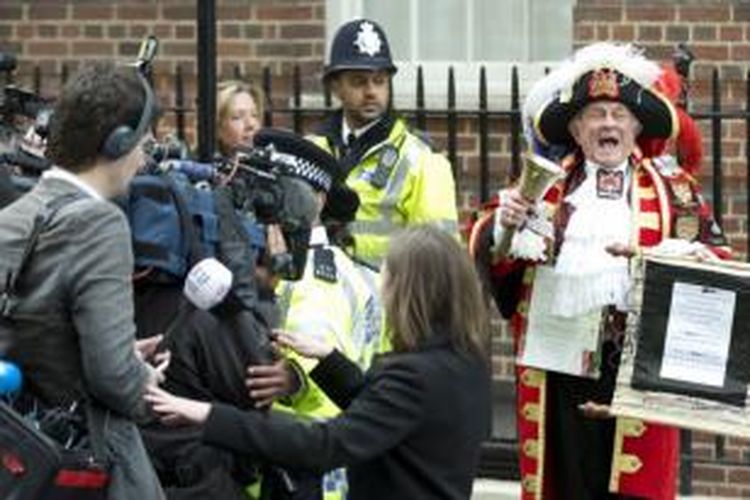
(465, 34)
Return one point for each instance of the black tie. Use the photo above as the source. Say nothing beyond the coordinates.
(350, 140)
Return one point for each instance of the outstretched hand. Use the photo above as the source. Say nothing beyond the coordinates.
(173, 410)
(305, 345)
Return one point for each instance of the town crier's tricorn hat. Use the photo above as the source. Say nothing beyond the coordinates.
(602, 71)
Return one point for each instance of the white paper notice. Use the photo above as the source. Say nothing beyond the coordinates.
(699, 330)
(557, 343)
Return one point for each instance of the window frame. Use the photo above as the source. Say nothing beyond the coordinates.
(436, 72)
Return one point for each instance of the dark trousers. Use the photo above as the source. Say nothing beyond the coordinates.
(581, 447)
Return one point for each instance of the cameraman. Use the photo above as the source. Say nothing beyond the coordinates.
(211, 349)
(69, 317)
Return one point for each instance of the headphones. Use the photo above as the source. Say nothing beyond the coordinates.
(123, 139)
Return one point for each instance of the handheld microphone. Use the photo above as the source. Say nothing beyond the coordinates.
(207, 283)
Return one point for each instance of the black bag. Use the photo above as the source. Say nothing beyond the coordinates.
(28, 458)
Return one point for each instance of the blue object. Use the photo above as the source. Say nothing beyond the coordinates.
(10, 378)
(174, 222)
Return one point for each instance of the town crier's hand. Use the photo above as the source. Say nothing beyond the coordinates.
(595, 410)
(514, 209)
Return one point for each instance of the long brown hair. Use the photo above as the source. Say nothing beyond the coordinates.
(430, 289)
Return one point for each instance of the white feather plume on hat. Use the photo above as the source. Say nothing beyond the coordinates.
(625, 58)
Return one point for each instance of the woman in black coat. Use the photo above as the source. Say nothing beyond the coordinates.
(413, 425)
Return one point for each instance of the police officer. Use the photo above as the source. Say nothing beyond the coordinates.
(399, 179)
(336, 300)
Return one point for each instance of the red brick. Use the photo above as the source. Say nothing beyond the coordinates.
(179, 12)
(138, 30)
(739, 475)
(649, 13)
(97, 11)
(116, 31)
(741, 13)
(252, 31)
(694, 13)
(47, 11)
(24, 30)
(611, 14)
(704, 33)
(737, 441)
(285, 49)
(623, 32)
(230, 30)
(139, 12)
(14, 12)
(712, 473)
(284, 12)
(70, 31)
(740, 52)
(302, 31)
(128, 49)
(163, 31)
(677, 33)
(583, 32)
(184, 31)
(47, 48)
(711, 52)
(93, 31)
(98, 48)
(11, 47)
(730, 33)
(233, 49)
(727, 491)
(602, 32)
(650, 33)
(179, 49)
(233, 12)
(47, 30)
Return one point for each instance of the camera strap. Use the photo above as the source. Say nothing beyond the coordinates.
(8, 297)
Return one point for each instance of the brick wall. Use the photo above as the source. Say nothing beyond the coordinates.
(58, 35)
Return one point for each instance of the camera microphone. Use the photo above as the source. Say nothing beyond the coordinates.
(207, 283)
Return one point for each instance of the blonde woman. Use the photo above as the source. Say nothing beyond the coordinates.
(412, 426)
(239, 115)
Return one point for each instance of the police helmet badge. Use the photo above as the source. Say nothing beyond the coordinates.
(368, 41)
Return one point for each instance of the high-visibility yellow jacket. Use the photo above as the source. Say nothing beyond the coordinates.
(399, 180)
(346, 313)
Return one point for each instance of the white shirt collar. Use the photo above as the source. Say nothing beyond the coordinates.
(318, 236)
(71, 178)
(346, 130)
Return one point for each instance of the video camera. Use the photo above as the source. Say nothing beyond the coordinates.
(261, 191)
(19, 166)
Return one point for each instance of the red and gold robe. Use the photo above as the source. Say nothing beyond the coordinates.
(645, 457)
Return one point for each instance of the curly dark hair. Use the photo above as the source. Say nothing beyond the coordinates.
(99, 98)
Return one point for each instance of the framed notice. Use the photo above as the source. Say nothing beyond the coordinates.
(686, 358)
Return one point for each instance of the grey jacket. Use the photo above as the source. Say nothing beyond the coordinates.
(73, 329)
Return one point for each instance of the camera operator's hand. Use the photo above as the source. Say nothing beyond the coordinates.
(267, 383)
(275, 240)
(147, 350)
(514, 209)
(303, 344)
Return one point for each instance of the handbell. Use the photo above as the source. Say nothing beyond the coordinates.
(537, 176)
